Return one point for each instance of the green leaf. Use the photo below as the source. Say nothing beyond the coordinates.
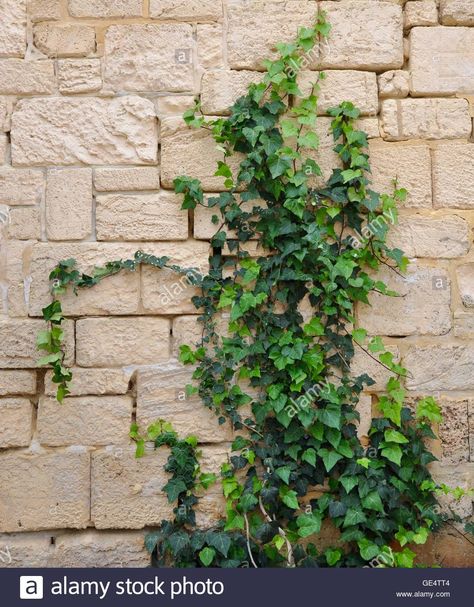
(333, 556)
(395, 437)
(372, 501)
(308, 524)
(289, 497)
(330, 458)
(429, 409)
(206, 556)
(393, 453)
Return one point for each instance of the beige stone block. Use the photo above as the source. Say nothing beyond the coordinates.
(173, 105)
(118, 294)
(454, 430)
(186, 10)
(447, 546)
(69, 204)
(420, 309)
(410, 165)
(71, 40)
(25, 223)
(205, 228)
(79, 76)
(161, 394)
(456, 12)
(465, 280)
(364, 407)
(116, 342)
(20, 186)
(255, 27)
(138, 499)
(92, 381)
(6, 109)
(445, 236)
(453, 176)
(17, 418)
(454, 476)
(463, 324)
(471, 428)
(222, 88)
(211, 459)
(105, 8)
(164, 291)
(17, 272)
(364, 35)
(3, 148)
(93, 548)
(420, 12)
(186, 151)
(22, 77)
(363, 363)
(44, 10)
(45, 490)
(26, 550)
(394, 83)
(425, 119)
(13, 28)
(84, 131)
(123, 178)
(18, 343)
(440, 366)
(186, 330)
(210, 43)
(441, 60)
(149, 57)
(141, 217)
(75, 421)
(210, 509)
(14, 382)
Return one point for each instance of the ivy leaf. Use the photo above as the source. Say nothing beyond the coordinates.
(393, 453)
(333, 556)
(220, 541)
(206, 556)
(284, 473)
(288, 497)
(354, 517)
(330, 458)
(429, 409)
(348, 482)
(178, 541)
(309, 524)
(368, 550)
(395, 437)
(372, 501)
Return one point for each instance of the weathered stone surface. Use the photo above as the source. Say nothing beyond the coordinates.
(420, 12)
(115, 342)
(138, 499)
(45, 490)
(441, 60)
(26, 550)
(25, 223)
(186, 10)
(84, 131)
(420, 309)
(44, 10)
(173, 105)
(186, 330)
(222, 88)
(364, 35)
(161, 394)
(69, 204)
(249, 44)
(470, 410)
(6, 109)
(463, 324)
(453, 176)
(117, 294)
(363, 363)
(443, 236)
(446, 548)
(186, 151)
(394, 83)
(210, 42)
(454, 431)
(13, 28)
(101, 549)
(364, 407)
(18, 256)
(124, 178)
(18, 343)
(155, 217)
(79, 76)
(456, 12)
(17, 417)
(20, 186)
(440, 366)
(75, 421)
(22, 77)
(425, 119)
(465, 279)
(410, 165)
(14, 382)
(3, 147)
(164, 291)
(149, 57)
(71, 40)
(105, 8)
(454, 476)
(204, 228)
(92, 381)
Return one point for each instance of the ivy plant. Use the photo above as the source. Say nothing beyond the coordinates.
(281, 372)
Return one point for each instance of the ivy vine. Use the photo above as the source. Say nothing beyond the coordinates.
(280, 377)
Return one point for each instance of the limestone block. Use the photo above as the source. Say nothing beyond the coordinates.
(454, 430)
(465, 279)
(44, 10)
(13, 28)
(204, 228)
(92, 381)
(116, 342)
(123, 178)
(6, 109)
(441, 60)
(210, 42)
(138, 499)
(463, 324)
(45, 490)
(3, 147)
(149, 57)
(70, 40)
(363, 363)
(394, 83)
(84, 131)
(22, 77)
(186, 330)
(222, 88)
(456, 12)
(453, 175)
(25, 223)
(69, 204)
(364, 407)
(425, 119)
(173, 105)
(20, 186)
(440, 366)
(105, 8)
(26, 550)
(454, 476)
(79, 76)
(17, 418)
(141, 217)
(186, 10)
(15, 381)
(420, 309)
(420, 12)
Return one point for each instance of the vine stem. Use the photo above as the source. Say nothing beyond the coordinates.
(247, 533)
(290, 558)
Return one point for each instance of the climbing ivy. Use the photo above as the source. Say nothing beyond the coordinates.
(280, 372)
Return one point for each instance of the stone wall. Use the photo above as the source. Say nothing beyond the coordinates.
(91, 138)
